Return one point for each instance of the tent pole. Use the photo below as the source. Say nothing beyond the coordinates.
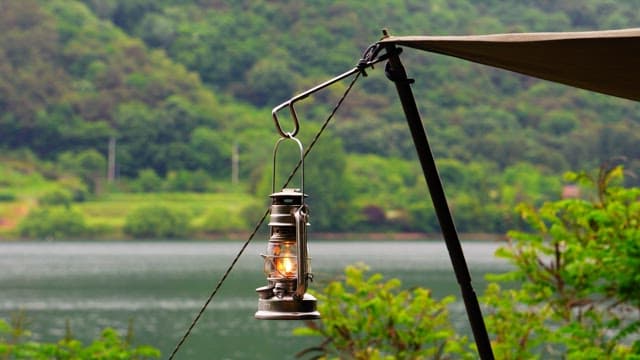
(395, 72)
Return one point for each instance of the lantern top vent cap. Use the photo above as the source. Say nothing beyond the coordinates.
(287, 192)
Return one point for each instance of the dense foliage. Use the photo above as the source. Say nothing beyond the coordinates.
(177, 85)
(572, 293)
(369, 318)
(16, 343)
(578, 273)
(157, 222)
(55, 222)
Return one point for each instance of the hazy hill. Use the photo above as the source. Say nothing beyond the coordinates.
(180, 83)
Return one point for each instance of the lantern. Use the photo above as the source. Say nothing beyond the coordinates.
(286, 262)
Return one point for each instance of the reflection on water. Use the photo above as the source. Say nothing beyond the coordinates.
(161, 285)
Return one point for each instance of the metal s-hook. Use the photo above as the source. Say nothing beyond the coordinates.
(289, 103)
(370, 57)
(296, 123)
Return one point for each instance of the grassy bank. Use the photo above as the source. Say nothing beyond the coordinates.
(37, 194)
(207, 213)
(24, 190)
(37, 202)
(106, 216)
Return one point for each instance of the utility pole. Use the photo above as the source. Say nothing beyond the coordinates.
(111, 160)
(235, 164)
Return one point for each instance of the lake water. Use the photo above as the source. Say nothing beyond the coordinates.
(162, 285)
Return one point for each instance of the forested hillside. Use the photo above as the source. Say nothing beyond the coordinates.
(177, 85)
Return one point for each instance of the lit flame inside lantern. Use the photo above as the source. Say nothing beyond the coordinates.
(287, 266)
(282, 261)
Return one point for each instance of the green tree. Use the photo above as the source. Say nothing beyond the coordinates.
(572, 294)
(137, 144)
(148, 181)
(89, 165)
(324, 175)
(269, 81)
(577, 272)
(189, 181)
(330, 189)
(212, 151)
(157, 30)
(29, 75)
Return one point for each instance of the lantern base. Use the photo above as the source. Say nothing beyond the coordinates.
(287, 308)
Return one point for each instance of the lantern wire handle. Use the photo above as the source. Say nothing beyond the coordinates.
(260, 222)
(299, 167)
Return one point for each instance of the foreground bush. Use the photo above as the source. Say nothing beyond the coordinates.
(15, 343)
(573, 293)
(576, 270)
(365, 317)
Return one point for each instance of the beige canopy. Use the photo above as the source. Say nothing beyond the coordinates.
(602, 61)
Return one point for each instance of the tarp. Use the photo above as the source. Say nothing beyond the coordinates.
(604, 61)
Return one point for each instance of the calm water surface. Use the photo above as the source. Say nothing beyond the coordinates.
(162, 285)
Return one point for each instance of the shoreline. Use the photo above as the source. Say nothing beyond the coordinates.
(405, 236)
(367, 236)
(331, 236)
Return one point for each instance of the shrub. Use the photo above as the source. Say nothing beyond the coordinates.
(53, 222)
(76, 187)
(56, 197)
(368, 318)
(222, 220)
(15, 343)
(157, 221)
(7, 197)
(183, 180)
(148, 181)
(573, 292)
(577, 273)
(88, 165)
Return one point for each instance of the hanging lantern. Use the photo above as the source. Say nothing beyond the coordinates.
(286, 263)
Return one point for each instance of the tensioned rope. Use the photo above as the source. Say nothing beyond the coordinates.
(261, 221)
